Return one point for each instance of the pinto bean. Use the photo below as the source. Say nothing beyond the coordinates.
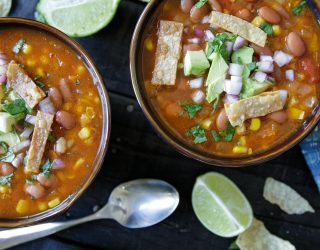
(36, 191)
(65, 119)
(296, 44)
(215, 5)
(222, 120)
(186, 5)
(65, 90)
(279, 116)
(244, 14)
(50, 181)
(196, 14)
(269, 14)
(61, 146)
(173, 109)
(6, 168)
(261, 50)
(55, 97)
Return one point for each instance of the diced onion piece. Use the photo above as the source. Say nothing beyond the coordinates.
(58, 164)
(31, 119)
(236, 79)
(239, 43)
(260, 76)
(26, 133)
(17, 161)
(290, 75)
(229, 46)
(283, 95)
(230, 98)
(206, 19)
(266, 66)
(235, 69)
(266, 58)
(21, 146)
(208, 35)
(196, 83)
(199, 32)
(198, 96)
(194, 40)
(282, 58)
(233, 86)
(47, 106)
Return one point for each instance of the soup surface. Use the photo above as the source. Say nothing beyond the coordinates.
(50, 122)
(217, 100)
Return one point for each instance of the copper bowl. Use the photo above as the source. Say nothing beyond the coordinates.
(106, 120)
(169, 136)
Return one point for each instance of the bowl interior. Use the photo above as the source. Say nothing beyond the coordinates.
(164, 130)
(104, 99)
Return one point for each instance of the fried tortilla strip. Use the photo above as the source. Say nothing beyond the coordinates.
(257, 237)
(285, 197)
(239, 27)
(168, 53)
(23, 85)
(39, 140)
(256, 106)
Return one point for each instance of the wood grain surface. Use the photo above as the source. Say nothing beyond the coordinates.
(137, 152)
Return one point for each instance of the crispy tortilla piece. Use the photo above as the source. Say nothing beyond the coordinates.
(23, 85)
(256, 106)
(285, 197)
(39, 140)
(168, 53)
(239, 27)
(257, 237)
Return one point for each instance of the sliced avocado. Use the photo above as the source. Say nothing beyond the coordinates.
(6, 122)
(195, 63)
(10, 138)
(251, 88)
(217, 75)
(243, 55)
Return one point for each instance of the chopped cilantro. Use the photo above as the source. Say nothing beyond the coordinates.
(218, 44)
(34, 177)
(192, 109)
(38, 81)
(198, 133)
(18, 46)
(184, 102)
(21, 65)
(8, 156)
(6, 180)
(266, 27)
(299, 8)
(228, 133)
(46, 168)
(29, 182)
(215, 135)
(77, 82)
(52, 138)
(18, 106)
(200, 3)
(233, 246)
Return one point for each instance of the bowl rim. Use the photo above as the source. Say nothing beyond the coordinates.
(106, 121)
(182, 147)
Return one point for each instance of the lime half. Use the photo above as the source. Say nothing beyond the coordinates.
(220, 205)
(78, 18)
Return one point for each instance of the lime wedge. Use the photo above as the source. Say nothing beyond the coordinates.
(220, 205)
(78, 18)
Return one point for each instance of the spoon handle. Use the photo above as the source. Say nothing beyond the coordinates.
(13, 237)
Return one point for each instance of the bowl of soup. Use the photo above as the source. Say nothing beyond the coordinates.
(229, 83)
(54, 122)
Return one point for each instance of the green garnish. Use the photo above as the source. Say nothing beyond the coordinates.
(183, 102)
(215, 104)
(21, 65)
(233, 246)
(215, 135)
(38, 82)
(18, 106)
(198, 133)
(228, 133)
(18, 46)
(29, 182)
(6, 180)
(52, 138)
(218, 45)
(4, 147)
(8, 156)
(299, 8)
(77, 82)
(192, 109)
(46, 168)
(266, 27)
(200, 3)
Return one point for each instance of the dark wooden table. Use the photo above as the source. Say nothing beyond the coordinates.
(136, 151)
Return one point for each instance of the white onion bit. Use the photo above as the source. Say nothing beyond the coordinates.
(196, 83)
(282, 58)
(230, 98)
(239, 43)
(265, 58)
(206, 19)
(290, 75)
(283, 95)
(198, 96)
(208, 35)
(235, 69)
(194, 40)
(21, 146)
(233, 86)
(260, 76)
(26, 133)
(31, 119)
(265, 66)
(229, 46)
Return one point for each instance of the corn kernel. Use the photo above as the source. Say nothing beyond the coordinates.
(53, 203)
(242, 141)
(314, 44)
(276, 30)
(84, 133)
(27, 49)
(296, 114)
(79, 109)
(73, 78)
(42, 206)
(225, 11)
(89, 141)
(61, 176)
(90, 112)
(206, 123)
(70, 143)
(78, 164)
(40, 72)
(84, 120)
(97, 100)
(240, 130)
(149, 44)
(250, 151)
(71, 177)
(22, 206)
(301, 76)
(80, 69)
(240, 150)
(31, 63)
(255, 124)
(44, 59)
(3, 189)
(257, 21)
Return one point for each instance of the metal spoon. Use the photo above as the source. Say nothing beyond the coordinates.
(135, 204)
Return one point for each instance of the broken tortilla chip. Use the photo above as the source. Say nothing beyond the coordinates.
(257, 237)
(256, 106)
(239, 27)
(285, 197)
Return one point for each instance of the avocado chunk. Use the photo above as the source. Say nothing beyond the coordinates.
(243, 55)
(10, 138)
(252, 88)
(195, 63)
(6, 122)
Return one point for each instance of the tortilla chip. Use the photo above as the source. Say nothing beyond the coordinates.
(168, 53)
(239, 27)
(285, 197)
(256, 106)
(257, 237)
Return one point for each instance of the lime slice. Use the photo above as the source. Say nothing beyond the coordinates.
(220, 205)
(78, 18)
(5, 6)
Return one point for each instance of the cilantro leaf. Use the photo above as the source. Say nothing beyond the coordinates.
(8, 156)
(46, 168)
(198, 133)
(215, 135)
(38, 81)
(200, 3)
(233, 246)
(77, 82)
(52, 138)
(228, 133)
(192, 109)
(18, 106)
(18, 46)
(6, 180)
(299, 8)
(266, 27)
(218, 44)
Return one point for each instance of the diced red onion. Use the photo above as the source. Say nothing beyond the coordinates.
(235, 69)
(3, 78)
(266, 58)
(230, 98)
(233, 87)
(194, 40)
(282, 58)
(266, 66)
(229, 46)
(206, 19)
(199, 32)
(283, 95)
(198, 96)
(196, 83)
(236, 79)
(47, 106)
(26, 133)
(239, 43)
(290, 75)
(208, 35)
(58, 164)
(21, 146)
(260, 76)
(31, 119)
(17, 161)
